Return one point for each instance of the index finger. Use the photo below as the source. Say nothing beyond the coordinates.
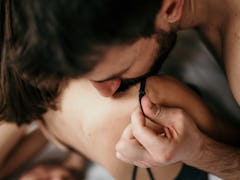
(147, 137)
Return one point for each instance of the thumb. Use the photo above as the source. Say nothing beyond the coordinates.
(154, 112)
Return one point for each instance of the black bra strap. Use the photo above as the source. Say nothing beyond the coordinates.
(134, 173)
(150, 174)
(141, 94)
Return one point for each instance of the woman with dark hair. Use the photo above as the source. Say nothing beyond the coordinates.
(90, 125)
(47, 45)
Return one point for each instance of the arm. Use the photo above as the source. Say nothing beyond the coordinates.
(10, 135)
(23, 150)
(218, 158)
(175, 108)
(73, 167)
(168, 92)
(232, 57)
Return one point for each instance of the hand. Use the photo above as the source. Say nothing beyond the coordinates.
(48, 172)
(179, 139)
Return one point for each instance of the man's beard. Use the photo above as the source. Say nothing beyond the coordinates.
(166, 42)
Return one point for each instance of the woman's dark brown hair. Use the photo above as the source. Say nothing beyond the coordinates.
(21, 101)
(44, 42)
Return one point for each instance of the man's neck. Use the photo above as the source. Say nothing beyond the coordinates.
(202, 13)
(211, 18)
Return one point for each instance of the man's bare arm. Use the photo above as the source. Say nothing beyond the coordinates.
(218, 159)
(176, 94)
(176, 109)
(232, 57)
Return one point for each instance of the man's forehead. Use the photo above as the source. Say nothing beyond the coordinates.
(117, 59)
(107, 77)
(113, 62)
(108, 70)
(116, 48)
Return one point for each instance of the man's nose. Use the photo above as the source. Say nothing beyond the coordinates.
(107, 88)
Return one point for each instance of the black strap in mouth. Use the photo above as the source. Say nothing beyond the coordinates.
(141, 94)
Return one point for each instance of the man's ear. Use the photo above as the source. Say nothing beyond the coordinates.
(170, 12)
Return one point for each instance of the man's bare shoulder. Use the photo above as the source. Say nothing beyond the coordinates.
(165, 89)
(164, 82)
(231, 56)
(160, 79)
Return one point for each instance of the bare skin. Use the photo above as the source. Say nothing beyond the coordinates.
(180, 132)
(218, 22)
(23, 147)
(223, 36)
(71, 168)
(221, 33)
(7, 132)
(93, 124)
(18, 148)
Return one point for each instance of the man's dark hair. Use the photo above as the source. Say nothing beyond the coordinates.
(44, 42)
(53, 37)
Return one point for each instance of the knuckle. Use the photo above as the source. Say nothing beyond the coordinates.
(159, 113)
(163, 158)
(133, 114)
(179, 114)
(152, 163)
(180, 119)
(141, 165)
(155, 164)
(137, 131)
(120, 146)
